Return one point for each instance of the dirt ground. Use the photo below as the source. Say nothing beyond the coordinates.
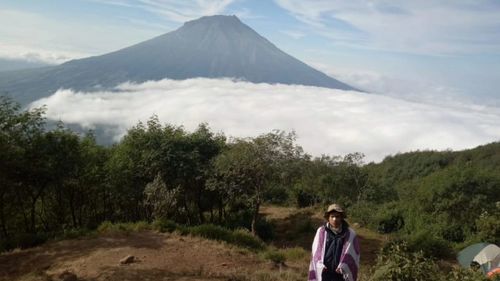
(159, 257)
(163, 256)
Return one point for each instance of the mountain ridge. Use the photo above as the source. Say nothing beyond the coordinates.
(211, 47)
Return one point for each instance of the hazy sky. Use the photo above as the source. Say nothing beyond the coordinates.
(442, 56)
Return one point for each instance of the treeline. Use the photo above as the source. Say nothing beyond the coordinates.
(436, 201)
(53, 181)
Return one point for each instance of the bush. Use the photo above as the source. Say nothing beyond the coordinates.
(239, 237)
(277, 257)
(397, 263)
(429, 244)
(295, 253)
(211, 231)
(244, 238)
(74, 233)
(109, 227)
(141, 226)
(23, 241)
(265, 229)
(164, 225)
(453, 233)
(462, 274)
(389, 219)
(363, 212)
(488, 226)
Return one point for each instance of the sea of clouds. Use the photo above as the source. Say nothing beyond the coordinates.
(326, 121)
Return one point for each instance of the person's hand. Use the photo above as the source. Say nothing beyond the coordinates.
(325, 269)
(338, 270)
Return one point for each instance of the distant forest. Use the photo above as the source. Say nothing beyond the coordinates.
(54, 180)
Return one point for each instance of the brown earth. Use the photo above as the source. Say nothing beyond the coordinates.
(160, 256)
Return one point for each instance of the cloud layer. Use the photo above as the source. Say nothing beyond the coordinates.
(326, 121)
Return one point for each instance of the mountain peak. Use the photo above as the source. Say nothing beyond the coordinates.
(215, 19)
(212, 46)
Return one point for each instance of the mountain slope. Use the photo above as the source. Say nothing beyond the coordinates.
(213, 47)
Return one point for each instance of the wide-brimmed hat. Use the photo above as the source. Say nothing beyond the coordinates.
(334, 208)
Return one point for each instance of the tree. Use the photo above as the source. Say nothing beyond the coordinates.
(247, 168)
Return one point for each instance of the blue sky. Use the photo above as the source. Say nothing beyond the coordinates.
(451, 45)
(432, 67)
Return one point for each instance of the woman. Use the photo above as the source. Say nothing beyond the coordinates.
(335, 249)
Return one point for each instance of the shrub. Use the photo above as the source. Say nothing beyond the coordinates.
(239, 237)
(109, 227)
(140, 226)
(488, 226)
(453, 233)
(277, 257)
(244, 238)
(462, 274)
(430, 244)
(164, 225)
(73, 233)
(362, 212)
(265, 229)
(295, 253)
(397, 263)
(389, 219)
(211, 231)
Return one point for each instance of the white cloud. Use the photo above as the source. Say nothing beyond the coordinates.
(420, 91)
(421, 27)
(327, 121)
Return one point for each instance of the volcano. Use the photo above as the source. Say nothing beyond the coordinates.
(210, 47)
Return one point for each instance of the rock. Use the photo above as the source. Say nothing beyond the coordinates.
(128, 259)
(67, 276)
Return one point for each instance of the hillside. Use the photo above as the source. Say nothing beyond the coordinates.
(164, 256)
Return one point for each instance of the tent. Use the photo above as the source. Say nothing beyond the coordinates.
(485, 254)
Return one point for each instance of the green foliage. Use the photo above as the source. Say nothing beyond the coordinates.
(108, 227)
(239, 237)
(74, 233)
(364, 213)
(429, 244)
(211, 231)
(488, 226)
(249, 167)
(277, 257)
(463, 274)
(389, 218)
(399, 263)
(295, 253)
(244, 238)
(265, 229)
(396, 263)
(164, 225)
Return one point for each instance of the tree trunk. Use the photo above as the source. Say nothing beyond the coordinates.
(255, 217)
(2, 217)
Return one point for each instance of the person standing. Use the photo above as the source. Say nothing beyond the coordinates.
(335, 249)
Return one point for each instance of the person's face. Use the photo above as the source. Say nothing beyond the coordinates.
(335, 219)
